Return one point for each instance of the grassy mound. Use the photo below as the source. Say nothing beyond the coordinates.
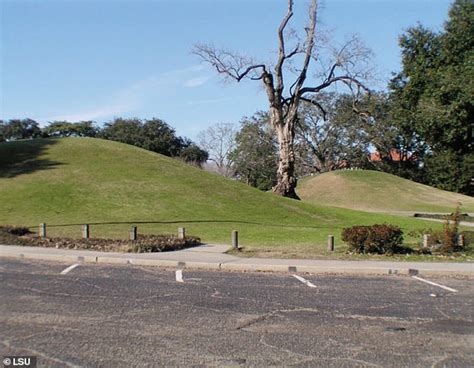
(72, 181)
(368, 190)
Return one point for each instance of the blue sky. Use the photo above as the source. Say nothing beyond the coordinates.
(99, 59)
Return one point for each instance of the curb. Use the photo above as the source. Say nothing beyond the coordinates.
(288, 267)
(403, 270)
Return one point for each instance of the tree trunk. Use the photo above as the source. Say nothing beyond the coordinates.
(286, 180)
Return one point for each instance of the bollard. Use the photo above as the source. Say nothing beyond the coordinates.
(426, 240)
(330, 243)
(85, 231)
(461, 240)
(133, 233)
(42, 230)
(235, 239)
(181, 233)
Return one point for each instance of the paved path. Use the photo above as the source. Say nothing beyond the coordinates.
(212, 257)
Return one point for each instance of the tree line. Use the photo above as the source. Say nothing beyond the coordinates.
(151, 134)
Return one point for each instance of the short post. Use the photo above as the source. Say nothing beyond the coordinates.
(181, 233)
(42, 230)
(461, 240)
(330, 243)
(133, 233)
(85, 231)
(426, 240)
(235, 239)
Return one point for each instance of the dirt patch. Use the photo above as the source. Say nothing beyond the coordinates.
(143, 244)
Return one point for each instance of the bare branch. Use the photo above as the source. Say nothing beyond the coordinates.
(229, 63)
(219, 141)
(331, 71)
(281, 48)
(317, 104)
(310, 31)
(346, 79)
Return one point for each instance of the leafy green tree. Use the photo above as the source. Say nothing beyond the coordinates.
(58, 129)
(154, 135)
(127, 131)
(21, 129)
(255, 157)
(85, 129)
(2, 131)
(433, 97)
(159, 137)
(446, 170)
(194, 155)
(67, 129)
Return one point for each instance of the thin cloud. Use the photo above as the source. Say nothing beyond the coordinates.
(135, 95)
(126, 100)
(187, 70)
(93, 114)
(195, 82)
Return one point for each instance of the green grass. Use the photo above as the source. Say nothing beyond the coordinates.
(72, 181)
(380, 192)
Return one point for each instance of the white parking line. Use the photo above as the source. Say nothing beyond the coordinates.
(304, 281)
(435, 284)
(70, 268)
(179, 276)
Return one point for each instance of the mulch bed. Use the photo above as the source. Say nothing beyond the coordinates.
(144, 243)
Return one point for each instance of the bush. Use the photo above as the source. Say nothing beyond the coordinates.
(450, 231)
(446, 241)
(162, 243)
(374, 239)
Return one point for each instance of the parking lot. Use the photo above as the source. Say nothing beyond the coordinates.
(116, 316)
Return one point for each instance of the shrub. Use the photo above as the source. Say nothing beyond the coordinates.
(162, 243)
(450, 231)
(446, 240)
(374, 239)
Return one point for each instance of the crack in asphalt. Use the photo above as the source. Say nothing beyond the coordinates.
(83, 296)
(270, 314)
(383, 318)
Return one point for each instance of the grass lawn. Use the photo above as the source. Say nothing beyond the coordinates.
(71, 181)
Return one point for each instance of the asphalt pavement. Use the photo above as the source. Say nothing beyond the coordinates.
(99, 315)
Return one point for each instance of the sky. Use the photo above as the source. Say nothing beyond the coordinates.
(99, 59)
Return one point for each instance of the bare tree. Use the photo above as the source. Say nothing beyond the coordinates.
(343, 67)
(219, 141)
(337, 141)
